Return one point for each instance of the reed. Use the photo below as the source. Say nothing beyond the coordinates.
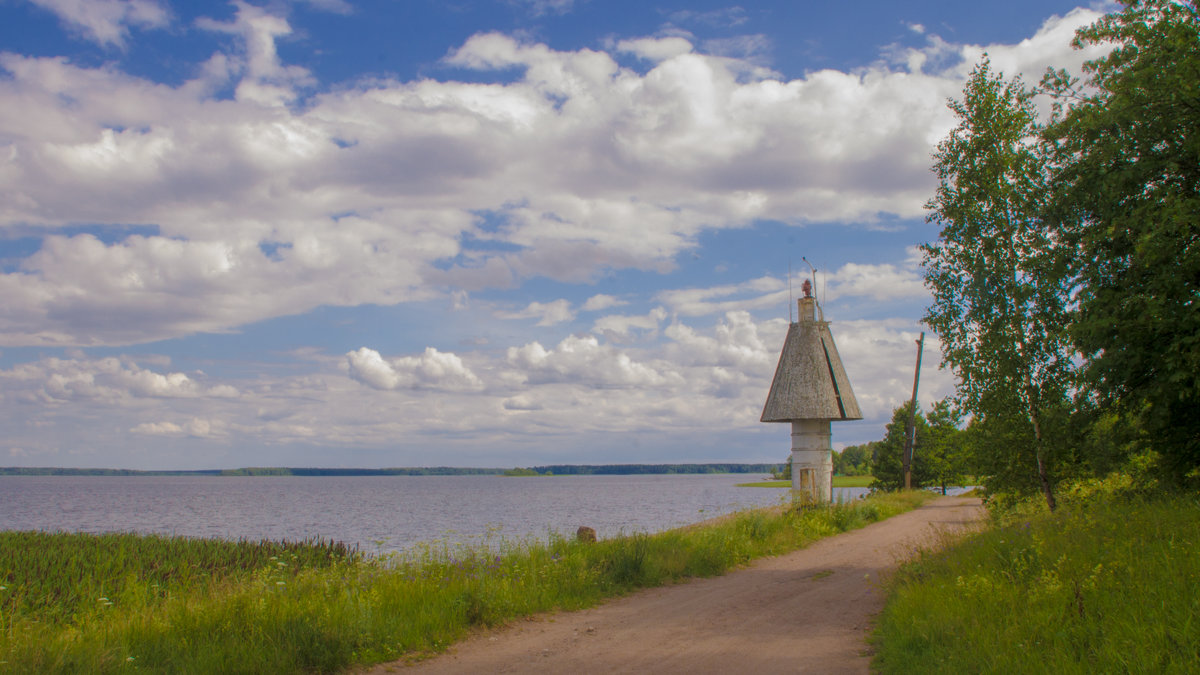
(317, 607)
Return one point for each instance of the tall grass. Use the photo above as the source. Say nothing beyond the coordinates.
(328, 611)
(1103, 585)
(63, 577)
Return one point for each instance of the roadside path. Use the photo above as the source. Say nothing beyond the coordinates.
(808, 611)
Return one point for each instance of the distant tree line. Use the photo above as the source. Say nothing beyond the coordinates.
(629, 469)
(61, 471)
(553, 469)
(411, 471)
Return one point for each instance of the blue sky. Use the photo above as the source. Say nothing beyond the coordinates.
(479, 233)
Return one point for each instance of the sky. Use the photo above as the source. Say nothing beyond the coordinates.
(382, 233)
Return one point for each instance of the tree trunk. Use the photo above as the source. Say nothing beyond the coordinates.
(1041, 465)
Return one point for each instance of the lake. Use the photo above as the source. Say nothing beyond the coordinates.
(377, 513)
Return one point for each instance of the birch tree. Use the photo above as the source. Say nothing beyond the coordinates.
(999, 280)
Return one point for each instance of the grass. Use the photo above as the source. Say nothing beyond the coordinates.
(182, 605)
(838, 481)
(1104, 585)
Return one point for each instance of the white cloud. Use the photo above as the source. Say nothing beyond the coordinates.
(522, 403)
(616, 328)
(602, 301)
(655, 49)
(879, 282)
(547, 314)
(430, 370)
(754, 294)
(700, 377)
(267, 81)
(158, 429)
(583, 360)
(372, 193)
(735, 343)
(880, 355)
(194, 427)
(1029, 58)
(109, 379)
(106, 22)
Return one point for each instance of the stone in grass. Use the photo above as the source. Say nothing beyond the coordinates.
(585, 534)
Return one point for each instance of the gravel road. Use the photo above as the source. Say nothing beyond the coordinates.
(804, 612)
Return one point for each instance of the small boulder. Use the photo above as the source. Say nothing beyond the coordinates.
(585, 534)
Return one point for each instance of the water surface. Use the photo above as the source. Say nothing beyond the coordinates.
(378, 513)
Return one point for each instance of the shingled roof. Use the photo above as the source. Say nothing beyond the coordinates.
(810, 382)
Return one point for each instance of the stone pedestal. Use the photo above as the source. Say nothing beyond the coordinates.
(812, 461)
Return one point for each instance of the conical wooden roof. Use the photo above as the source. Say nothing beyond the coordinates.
(810, 382)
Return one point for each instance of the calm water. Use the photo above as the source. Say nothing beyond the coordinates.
(379, 513)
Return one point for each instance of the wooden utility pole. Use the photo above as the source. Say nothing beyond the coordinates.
(911, 432)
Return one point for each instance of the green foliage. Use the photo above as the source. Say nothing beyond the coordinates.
(633, 469)
(785, 473)
(944, 451)
(998, 273)
(1107, 583)
(521, 471)
(941, 456)
(1128, 188)
(1067, 277)
(327, 612)
(888, 463)
(854, 460)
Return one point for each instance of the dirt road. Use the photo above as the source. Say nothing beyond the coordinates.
(804, 612)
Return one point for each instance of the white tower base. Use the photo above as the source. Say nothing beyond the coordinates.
(812, 461)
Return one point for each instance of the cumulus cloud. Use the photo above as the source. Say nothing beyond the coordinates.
(583, 360)
(547, 314)
(110, 379)
(1048, 47)
(735, 343)
(376, 192)
(748, 295)
(267, 80)
(430, 370)
(879, 356)
(194, 427)
(522, 403)
(601, 301)
(878, 282)
(106, 22)
(616, 328)
(655, 49)
(700, 376)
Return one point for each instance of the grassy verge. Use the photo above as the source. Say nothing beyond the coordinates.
(838, 481)
(1105, 585)
(326, 609)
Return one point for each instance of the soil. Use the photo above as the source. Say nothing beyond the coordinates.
(809, 611)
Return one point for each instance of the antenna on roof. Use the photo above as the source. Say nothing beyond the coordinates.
(790, 290)
(820, 312)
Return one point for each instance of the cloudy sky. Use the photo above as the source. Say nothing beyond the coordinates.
(381, 233)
